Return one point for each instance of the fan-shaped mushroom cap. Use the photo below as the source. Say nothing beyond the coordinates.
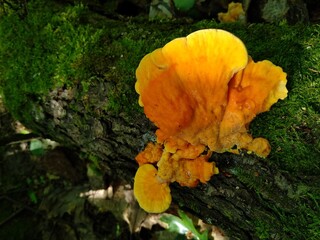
(183, 86)
(251, 91)
(204, 90)
(152, 193)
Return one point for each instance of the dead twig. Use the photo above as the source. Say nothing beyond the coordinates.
(313, 70)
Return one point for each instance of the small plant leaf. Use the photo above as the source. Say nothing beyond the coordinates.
(33, 197)
(36, 147)
(183, 225)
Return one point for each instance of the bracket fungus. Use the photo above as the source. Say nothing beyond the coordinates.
(235, 13)
(150, 191)
(201, 91)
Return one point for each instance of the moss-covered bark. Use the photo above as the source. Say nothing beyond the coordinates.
(68, 74)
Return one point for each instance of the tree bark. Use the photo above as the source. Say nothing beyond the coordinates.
(246, 191)
(228, 200)
(247, 194)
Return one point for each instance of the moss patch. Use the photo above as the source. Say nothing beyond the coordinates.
(42, 51)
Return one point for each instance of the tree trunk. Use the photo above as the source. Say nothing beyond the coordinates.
(249, 199)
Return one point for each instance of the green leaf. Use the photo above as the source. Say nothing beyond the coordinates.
(33, 197)
(175, 224)
(184, 5)
(183, 225)
(36, 147)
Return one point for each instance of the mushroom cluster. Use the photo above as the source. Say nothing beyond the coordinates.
(201, 92)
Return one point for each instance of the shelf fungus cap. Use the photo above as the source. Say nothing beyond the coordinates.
(235, 13)
(252, 90)
(183, 86)
(152, 194)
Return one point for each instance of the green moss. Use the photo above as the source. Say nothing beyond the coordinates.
(291, 207)
(302, 224)
(42, 51)
(293, 124)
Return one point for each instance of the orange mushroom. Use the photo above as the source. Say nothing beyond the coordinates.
(235, 13)
(152, 194)
(190, 172)
(151, 154)
(251, 91)
(183, 87)
(182, 148)
(201, 91)
(186, 166)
